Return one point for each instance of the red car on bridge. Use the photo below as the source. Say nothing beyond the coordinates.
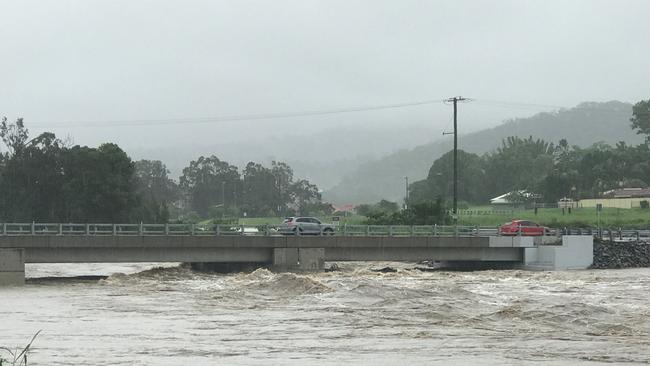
(524, 228)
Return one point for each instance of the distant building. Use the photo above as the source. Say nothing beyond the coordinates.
(567, 203)
(514, 198)
(503, 199)
(619, 198)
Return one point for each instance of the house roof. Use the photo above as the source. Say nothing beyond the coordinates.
(627, 193)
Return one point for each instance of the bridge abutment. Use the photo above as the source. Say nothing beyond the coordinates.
(12, 267)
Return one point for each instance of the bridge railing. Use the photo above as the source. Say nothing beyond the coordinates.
(105, 229)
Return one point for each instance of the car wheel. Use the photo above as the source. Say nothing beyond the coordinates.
(328, 231)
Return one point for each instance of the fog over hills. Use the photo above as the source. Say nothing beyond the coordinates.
(323, 157)
(583, 125)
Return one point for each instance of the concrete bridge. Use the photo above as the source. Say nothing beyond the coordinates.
(62, 243)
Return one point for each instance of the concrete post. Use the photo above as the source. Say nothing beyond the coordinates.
(311, 259)
(285, 258)
(12, 267)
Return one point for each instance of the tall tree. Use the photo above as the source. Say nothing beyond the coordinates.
(99, 184)
(210, 182)
(641, 118)
(156, 191)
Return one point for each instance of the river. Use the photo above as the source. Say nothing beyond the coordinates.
(146, 315)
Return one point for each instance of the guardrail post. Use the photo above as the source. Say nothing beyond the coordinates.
(637, 235)
(166, 228)
(390, 230)
(114, 230)
(191, 229)
(478, 231)
(620, 233)
(4, 228)
(345, 226)
(412, 231)
(242, 230)
(266, 229)
(216, 230)
(435, 229)
(60, 229)
(140, 229)
(87, 229)
(367, 230)
(33, 228)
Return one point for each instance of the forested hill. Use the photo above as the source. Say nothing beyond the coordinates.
(582, 125)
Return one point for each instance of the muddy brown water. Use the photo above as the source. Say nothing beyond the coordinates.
(139, 315)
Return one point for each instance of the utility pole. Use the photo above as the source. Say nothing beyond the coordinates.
(223, 199)
(406, 198)
(455, 101)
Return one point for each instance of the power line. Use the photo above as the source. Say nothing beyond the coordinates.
(285, 115)
(233, 118)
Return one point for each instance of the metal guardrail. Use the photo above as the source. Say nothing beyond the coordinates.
(73, 229)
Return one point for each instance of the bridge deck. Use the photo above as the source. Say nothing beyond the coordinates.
(63, 249)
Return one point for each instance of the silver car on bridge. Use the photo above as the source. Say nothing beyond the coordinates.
(305, 226)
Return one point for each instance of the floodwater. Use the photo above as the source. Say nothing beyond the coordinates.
(141, 315)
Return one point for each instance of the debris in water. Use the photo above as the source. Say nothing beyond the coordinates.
(384, 270)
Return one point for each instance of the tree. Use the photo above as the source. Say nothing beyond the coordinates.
(30, 187)
(210, 182)
(283, 175)
(641, 118)
(99, 184)
(259, 193)
(439, 182)
(304, 195)
(519, 164)
(14, 135)
(156, 191)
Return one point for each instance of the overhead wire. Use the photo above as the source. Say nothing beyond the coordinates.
(270, 116)
(232, 118)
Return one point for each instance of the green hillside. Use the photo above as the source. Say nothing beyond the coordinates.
(582, 125)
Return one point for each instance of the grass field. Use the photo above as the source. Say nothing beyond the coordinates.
(609, 217)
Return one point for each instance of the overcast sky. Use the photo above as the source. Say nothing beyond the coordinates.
(141, 60)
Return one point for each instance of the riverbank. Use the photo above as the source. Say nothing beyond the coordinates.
(631, 254)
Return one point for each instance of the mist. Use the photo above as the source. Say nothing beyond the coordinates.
(140, 73)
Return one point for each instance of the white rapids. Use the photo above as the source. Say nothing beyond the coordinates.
(149, 315)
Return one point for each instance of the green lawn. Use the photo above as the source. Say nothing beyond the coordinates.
(609, 217)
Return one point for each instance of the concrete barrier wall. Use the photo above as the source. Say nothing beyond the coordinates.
(573, 252)
(12, 266)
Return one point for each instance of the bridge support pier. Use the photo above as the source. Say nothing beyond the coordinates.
(311, 259)
(304, 259)
(12, 267)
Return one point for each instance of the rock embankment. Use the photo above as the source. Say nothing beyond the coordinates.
(630, 254)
